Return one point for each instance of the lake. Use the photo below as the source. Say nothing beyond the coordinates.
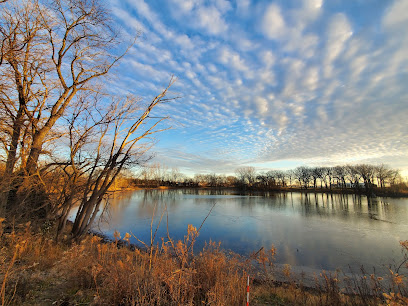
(310, 231)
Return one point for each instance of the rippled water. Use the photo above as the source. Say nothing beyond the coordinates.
(315, 231)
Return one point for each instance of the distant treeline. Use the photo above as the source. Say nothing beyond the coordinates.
(361, 178)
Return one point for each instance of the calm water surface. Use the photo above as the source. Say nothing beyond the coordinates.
(314, 231)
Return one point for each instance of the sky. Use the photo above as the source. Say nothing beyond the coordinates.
(272, 84)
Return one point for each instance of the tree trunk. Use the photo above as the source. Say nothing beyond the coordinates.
(12, 151)
(18, 120)
(35, 150)
(85, 217)
(64, 216)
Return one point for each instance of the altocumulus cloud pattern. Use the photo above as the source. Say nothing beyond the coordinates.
(273, 84)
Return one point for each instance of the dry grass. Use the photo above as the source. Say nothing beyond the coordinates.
(105, 274)
(36, 271)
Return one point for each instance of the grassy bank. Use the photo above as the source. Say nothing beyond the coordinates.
(37, 271)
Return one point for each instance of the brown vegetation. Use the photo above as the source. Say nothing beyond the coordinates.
(35, 270)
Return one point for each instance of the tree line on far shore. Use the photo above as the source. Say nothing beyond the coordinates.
(362, 178)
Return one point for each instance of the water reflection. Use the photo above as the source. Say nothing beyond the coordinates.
(319, 231)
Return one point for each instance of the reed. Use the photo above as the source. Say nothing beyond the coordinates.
(36, 270)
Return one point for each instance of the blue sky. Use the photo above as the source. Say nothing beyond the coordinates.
(272, 84)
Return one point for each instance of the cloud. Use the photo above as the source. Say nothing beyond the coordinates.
(210, 19)
(232, 59)
(304, 45)
(184, 41)
(262, 105)
(243, 6)
(183, 6)
(130, 20)
(396, 17)
(273, 24)
(319, 85)
(268, 58)
(311, 79)
(339, 31)
(199, 16)
(144, 70)
(223, 5)
(152, 17)
(313, 5)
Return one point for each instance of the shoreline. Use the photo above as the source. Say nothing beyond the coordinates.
(376, 192)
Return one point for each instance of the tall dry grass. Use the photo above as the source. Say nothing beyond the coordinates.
(160, 277)
(107, 274)
(34, 270)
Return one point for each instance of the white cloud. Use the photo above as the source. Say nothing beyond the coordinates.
(295, 67)
(184, 41)
(266, 76)
(223, 5)
(232, 59)
(190, 74)
(313, 4)
(128, 19)
(273, 24)
(268, 58)
(243, 43)
(261, 105)
(281, 119)
(153, 54)
(306, 13)
(396, 17)
(212, 68)
(289, 27)
(210, 19)
(304, 45)
(183, 6)
(339, 32)
(357, 66)
(146, 70)
(198, 14)
(311, 79)
(152, 17)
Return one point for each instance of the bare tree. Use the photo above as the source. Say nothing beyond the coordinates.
(384, 175)
(51, 51)
(66, 45)
(24, 64)
(246, 175)
(316, 173)
(303, 175)
(352, 176)
(328, 176)
(281, 176)
(340, 173)
(263, 180)
(366, 172)
(290, 176)
(102, 143)
(319, 173)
